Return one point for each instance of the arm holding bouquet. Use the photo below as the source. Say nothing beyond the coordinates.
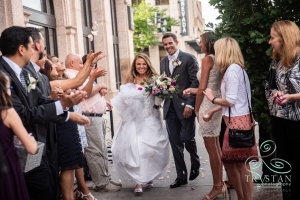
(162, 87)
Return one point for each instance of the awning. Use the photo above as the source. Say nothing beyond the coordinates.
(194, 45)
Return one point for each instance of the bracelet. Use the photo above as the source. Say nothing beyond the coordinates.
(92, 65)
(213, 101)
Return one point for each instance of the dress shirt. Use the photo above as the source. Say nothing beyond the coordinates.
(93, 105)
(36, 67)
(17, 69)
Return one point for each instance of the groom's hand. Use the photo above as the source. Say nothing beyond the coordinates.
(187, 112)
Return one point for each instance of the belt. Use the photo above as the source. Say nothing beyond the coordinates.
(92, 114)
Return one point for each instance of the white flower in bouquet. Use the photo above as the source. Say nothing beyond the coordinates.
(162, 87)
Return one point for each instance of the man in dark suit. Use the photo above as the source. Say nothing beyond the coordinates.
(34, 108)
(178, 112)
(44, 86)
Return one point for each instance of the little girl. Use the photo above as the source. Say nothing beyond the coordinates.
(12, 183)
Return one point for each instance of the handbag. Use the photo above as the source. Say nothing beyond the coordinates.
(242, 138)
(271, 79)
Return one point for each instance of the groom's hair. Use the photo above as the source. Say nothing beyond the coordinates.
(166, 35)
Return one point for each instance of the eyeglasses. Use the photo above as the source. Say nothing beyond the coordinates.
(10, 87)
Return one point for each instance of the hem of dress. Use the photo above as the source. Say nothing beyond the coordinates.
(209, 135)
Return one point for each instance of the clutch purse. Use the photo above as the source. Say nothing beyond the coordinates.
(28, 161)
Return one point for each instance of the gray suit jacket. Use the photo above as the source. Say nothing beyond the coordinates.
(187, 79)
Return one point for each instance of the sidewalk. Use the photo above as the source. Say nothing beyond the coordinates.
(196, 189)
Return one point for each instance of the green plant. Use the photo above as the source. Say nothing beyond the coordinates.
(249, 22)
(145, 27)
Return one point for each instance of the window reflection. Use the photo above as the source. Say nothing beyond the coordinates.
(34, 4)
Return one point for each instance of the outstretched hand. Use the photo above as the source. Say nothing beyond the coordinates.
(72, 97)
(93, 57)
(98, 72)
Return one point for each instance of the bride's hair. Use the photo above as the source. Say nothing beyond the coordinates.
(133, 73)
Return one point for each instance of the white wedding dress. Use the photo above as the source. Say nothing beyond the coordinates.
(140, 147)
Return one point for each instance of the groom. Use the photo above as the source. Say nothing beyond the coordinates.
(178, 112)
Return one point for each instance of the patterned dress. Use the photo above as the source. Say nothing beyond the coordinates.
(211, 128)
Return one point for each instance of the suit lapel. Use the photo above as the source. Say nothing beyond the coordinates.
(12, 75)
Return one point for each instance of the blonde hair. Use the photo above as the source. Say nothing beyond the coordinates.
(133, 73)
(227, 52)
(289, 35)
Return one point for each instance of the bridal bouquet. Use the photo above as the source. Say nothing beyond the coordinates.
(162, 87)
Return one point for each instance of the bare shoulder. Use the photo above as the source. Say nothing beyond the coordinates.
(8, 116)
(207, 61)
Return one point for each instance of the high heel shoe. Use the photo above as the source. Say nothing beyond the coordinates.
(223, 191)
(138, 191)
(149, 185)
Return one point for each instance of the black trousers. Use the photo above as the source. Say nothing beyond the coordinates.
(39, 182)
(287, 137)
(182, 135)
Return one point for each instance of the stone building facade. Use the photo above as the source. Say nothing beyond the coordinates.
(66, 25)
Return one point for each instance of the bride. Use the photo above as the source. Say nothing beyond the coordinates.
(140, 146)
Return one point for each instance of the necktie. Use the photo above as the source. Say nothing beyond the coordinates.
(171, 67)
(22, 78)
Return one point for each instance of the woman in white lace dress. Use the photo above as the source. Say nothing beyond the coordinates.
(209, 76)
(140, 146)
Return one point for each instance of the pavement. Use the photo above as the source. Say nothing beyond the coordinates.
(195, 189)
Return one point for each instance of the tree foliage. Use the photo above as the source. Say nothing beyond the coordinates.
(249, 22)
(145, 27)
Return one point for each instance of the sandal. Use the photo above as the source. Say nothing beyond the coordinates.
(228, 185)
(83, 196)
(138, 191)
(149, 185)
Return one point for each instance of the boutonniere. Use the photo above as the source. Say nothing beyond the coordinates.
(31, 82)
(176, 63)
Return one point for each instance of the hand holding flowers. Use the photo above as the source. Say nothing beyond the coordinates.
(162, 87)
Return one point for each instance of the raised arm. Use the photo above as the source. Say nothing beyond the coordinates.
(74, 83)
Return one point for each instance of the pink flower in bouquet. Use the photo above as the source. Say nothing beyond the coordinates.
(140, 88)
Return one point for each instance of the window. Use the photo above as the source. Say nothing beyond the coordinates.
(162, 2)
(87, 22)
(42, 17)
(40, 5)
